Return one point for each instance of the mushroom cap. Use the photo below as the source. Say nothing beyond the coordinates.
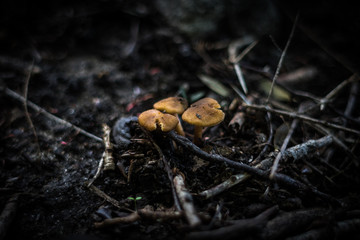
(154, 119)
(204, 113)
(172, 105)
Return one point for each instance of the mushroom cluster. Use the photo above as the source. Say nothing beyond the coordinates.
(165, 116)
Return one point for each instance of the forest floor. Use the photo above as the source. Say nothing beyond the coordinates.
(74, 75)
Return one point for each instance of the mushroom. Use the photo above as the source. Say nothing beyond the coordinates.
(174, 106)
(153, 119)
(204, 113)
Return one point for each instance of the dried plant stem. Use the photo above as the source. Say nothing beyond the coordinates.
(132, 217)
(98, 171)
(289, 222)
(239, 228)
(351, 104)
(131, 167)
(240, 77)
(302, 117)
(282, 58)
(186, 201)
(167, 168)
(232, 51)
(35, 107)
(278, 177)
(268, 142)
(295, 153)
(337, 89)
(108, 157)
(140, 214)
(339, 143)
(283, 147)
(233, 180)
(8, 214)
(25, 102)
(109, 199)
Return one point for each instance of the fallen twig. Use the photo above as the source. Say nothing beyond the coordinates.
(339, 143)
(240, 227)
(336, 90)
(351, 103)
(106, 162)
(283, 147)
(132, 217)
(282, 58)
(232, 51)
(131, 167)
(304, 149)
(233, 180)
(35, 107)
(98, 171)
(268, 142)
(109, 199)
(287, 223)
(167, 168)
(278, 177)
(301, 117)
(26, 86)
(18, 65)
(108, 157)
(8, 214)
(295, 153)
(140, 214)
(186, 201)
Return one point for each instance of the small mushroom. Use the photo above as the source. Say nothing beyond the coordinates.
(174, 106)
(153, 120)
(204, 113)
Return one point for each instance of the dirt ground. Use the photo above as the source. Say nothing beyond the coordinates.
(96, 62)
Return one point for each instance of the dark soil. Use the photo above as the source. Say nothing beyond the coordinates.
(95, 62)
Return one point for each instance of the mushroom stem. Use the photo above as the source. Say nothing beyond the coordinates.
(179, 129)
(197, 135)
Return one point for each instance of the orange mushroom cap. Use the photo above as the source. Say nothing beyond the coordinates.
(204, 113)
(172, 105)
(154, 119)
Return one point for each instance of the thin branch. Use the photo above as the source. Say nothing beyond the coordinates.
(302, 117)
(339, 143)
(167, 168)
(140, 214)
(283, 147)
(240, 77)
(287, 223)
(8, 214)
(35, 107)
(109, 199)
(304, 149)
(98, 171)
(336, 90)
(351, 103)
(241, 95)
(26, 87)
(295, 153)
(282, 57)
(278, 177)
(132, 217)
(268, 142)
(232, 51)
(186, 201)
(108, 157)
(240, 227)
(245, 52)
